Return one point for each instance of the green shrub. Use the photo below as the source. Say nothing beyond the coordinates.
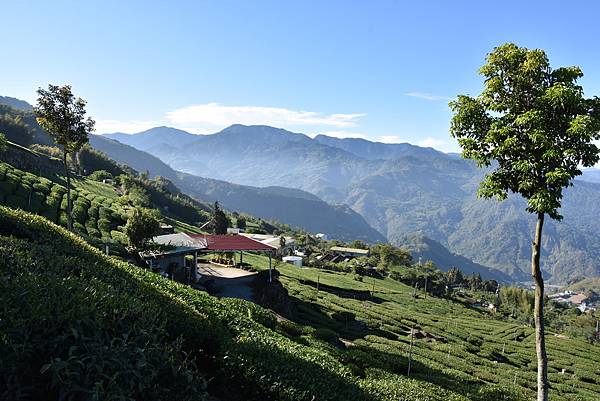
(93, 212)
(79, 228)
(58, 190)
(118, 236)
(72, 337)
(62, 218)
(104, 213)
(326, 335)
(79, 212)
(104, 225)
(100, 175)
(93, 232)
(41, 188)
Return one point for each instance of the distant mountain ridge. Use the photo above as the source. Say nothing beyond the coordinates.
(158, 136)
(16, 103)
(290, 206)
(402, 189)
(373, 150)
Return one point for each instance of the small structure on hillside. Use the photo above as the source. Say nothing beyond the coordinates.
(166, 229)
(349, 252)
(274, 241)
(170, 256)
(321, 237)
(294, 260)
(171, 259)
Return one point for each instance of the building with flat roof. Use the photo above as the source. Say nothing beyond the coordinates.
(349, 252)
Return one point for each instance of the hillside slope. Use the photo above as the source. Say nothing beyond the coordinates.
(69, 302)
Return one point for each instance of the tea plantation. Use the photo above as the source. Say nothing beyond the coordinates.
(465, 350)
(78, 325)
(96, 212)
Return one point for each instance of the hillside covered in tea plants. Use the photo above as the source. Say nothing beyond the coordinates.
(78, 324)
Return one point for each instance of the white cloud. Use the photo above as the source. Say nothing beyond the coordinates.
(127, 127)
(218, 115)
(343, 134)
(428, 96)
(439, 144)
(212, 117)
(390, 139)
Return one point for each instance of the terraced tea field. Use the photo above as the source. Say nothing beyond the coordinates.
(465, 350)
(96, 212)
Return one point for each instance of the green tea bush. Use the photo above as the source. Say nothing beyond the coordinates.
(118, 236)
(104, 226)
(41, 188)
(80, 212)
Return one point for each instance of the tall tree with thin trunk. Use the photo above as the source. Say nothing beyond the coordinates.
(62, 115)
(533, 129)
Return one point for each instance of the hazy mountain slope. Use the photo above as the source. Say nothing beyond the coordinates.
(290, 206)
(373, 150)
(16, 103)
(428, 249)
(132, 157)
(590, 175)
(154, 137)
(265, 156)
(314, 215)
(402, 189)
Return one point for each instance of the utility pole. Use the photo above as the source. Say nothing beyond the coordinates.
(426, 286)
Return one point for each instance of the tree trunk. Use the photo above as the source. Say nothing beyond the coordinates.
(69, 218)
(540, 340)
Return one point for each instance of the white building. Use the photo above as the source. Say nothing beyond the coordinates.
(294, 260)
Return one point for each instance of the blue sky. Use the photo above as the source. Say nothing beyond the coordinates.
(383, 70)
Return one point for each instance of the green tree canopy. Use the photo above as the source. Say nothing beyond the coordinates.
(534, 129)
(142, 226)
(219, 220)
(62, 115)
(532, 123)
(241, 222)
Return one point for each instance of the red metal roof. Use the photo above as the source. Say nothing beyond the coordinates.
(231, 243)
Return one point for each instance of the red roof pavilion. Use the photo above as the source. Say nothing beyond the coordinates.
(231, 243)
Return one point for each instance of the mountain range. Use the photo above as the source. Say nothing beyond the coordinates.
(399, 189)
(350, 188)
(291, 206)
